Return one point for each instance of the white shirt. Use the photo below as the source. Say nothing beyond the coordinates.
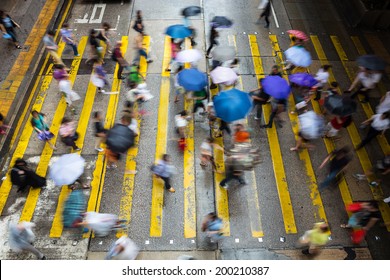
(384, 106)
(380, 124)
(206, 148)
(180, 121)
(134, 126)
(322, 77)
(369, 80)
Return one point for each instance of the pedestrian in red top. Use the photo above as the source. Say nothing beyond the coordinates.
(333, 127)
(118, 57)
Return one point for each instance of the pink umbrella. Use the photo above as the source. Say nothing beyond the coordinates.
(223, 75)
(298, 34)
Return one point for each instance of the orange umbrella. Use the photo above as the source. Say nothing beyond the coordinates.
(298, 34)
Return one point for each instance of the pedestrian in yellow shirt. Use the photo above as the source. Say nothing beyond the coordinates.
(315, 238)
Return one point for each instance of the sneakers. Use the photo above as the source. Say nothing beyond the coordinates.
(386, 200)
(359, 176)
(374, 184)
(102, 91)
(99, 149)
(77, 149)
(172, 190)
(149, 61)
(226, 186)
(256, 118)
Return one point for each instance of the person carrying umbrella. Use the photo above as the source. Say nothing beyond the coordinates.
(277, 106)
(378, 125)
(368, 80)
(212, 40)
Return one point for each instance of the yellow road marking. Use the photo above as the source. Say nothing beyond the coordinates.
(303, 153)
(156, 214)
(57, 226)
(38, 79)
(277, 161)
(26, 134)
(126, 203)
(12, 83)
(378, 47)
(33, 195)
(329, 144)
(189, 176)
(355, 138)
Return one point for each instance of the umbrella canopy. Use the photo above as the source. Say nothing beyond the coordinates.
(67, 169)
(372, 62)
(232, 105)
(223, 53)
(298, 56)
(276, 87)
(191, 11)
(192, 79)
(298, 34)
(120, 138)
(312, 125)
(223, 75)
(340, 105)
(303, 79)
(221, 22)
(191, 55)
(178, 31)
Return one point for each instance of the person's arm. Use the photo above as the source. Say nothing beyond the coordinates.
(325, 160)
(368, 120)
(370, 223)
(354, 83)
(3, 28)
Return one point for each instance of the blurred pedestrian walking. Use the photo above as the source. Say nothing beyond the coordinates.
(102, 224)
(266, 13)
(65, 85)
(68, 133)
(123, 249)
(24, 178)
(52, 47)
(368, 80)
(384, 105)
(336, 124)
(322, 76)
(213, 226)
(338, 161)
(206, 153)
(104, 35)
(315, 238)
(138, 45)
(260, 98)
(68, 38)
(117, 56)
(212, 40)
(379, 123)
(164, 170)
(233, 171)
(95, 50)
(278, 106)
(100, 131)
(3, 127)
(7, 25)
(175, 49)
(99, 76)
(38, 121)
(21, 238)
(138, 24)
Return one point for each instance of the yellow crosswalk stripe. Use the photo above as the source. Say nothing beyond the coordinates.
(303, 153)
(378, 47)
(277, 161)
(57, 226)
(99, 173)
(329, 144)
(253, 199)
(362, 153)
(126, 202)
(189, 168)
(156, 215)
(33, 195)
(28, 130)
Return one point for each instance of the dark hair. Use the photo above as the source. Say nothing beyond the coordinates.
(20, 161)
(51, 32)
(65, 120)
(139, 14)
(128, 104)
(326, 67)
(342, 151)
(334, 84)
(34, 111)
(213, 215)
(209, 139)
(66, 25)
(58, 66)
(126, 118)
(373, 204)
(106, 25)
(236, 61)
(183, 113)
(165, 157)
(386, 114)
(96, 114)
(92, 32)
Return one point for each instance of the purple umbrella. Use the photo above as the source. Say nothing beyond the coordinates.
(276, 87)
(303, 79)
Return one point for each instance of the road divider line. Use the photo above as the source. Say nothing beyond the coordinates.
(33, 195)
(362, 153)
(156, 214)
(303, 154)
(189, 169)
(277, 161)
(126, 202)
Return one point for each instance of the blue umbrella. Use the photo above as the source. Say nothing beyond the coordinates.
(221, 22)
(178, 31)
(276, 87)
(232, 105)
(303, 79)
(192, 79)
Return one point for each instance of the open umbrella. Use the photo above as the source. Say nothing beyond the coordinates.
(232, 105)
(372, 62)
(120, 138)
(298, 56)
(223, 75)
(298, 34)
(221, 22)
(303, 79)
(340, 105)
(223, 53)
(192, 79)
(191, 11)
(276, 87)
(190, 55)
(178, 31)
(67, 169)
(312, 125)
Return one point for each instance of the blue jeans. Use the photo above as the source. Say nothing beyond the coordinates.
(329, 179)
(74, 47)
(142, 52)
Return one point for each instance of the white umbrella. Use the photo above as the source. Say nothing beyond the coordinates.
(224, 53)
(311, 125)
(223, 75)
(67, 169)
(298, 56)
(191, 55)
(129, 249)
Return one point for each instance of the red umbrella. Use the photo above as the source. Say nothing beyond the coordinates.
(298, 34)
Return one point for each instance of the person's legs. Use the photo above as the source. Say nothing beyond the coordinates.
(120, 70)
(225, 126)
(57, 59)
(143, 53)
(68, 141)
(35, 251)
(228, 178)
(259, 110)
(271, 118)
(266, 21)
(209, 49)
(371, 134)
(75, 51)
(329, 179)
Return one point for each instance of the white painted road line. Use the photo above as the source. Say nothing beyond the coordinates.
(274, 14)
